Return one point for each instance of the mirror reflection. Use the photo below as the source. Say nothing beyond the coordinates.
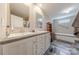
(19, 14)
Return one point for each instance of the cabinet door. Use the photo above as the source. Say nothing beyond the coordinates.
(47, 36)
(43, 43)
(29, 46)
(1, 51)
(12, 48)
(34, 45)
(19, 47)
(39, 45)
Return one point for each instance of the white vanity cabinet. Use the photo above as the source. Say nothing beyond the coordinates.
(43, 43)
(40, 44)
(13, 48)
(47, 43)
(33, 45)
(21, 47)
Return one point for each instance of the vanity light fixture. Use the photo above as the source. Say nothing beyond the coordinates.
(27, 4)
(40, 5)
(40, 20)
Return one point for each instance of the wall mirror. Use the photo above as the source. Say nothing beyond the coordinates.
(19, 14)
(39, 21)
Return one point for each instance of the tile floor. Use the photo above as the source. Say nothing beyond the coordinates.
(62, 48)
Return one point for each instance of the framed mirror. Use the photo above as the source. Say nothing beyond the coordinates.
(19, 17)
(39, 21)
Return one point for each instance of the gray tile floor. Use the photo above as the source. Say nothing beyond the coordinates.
(62, 48)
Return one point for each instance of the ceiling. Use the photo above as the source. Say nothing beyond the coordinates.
(19, 9)
(55, 9)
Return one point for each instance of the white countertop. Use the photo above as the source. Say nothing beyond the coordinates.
(17, 36)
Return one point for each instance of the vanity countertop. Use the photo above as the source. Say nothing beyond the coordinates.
(20, 36)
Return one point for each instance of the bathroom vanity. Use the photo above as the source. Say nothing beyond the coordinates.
(23, 30)
(26, 44)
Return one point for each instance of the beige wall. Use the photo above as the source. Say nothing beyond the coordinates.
(4, 12)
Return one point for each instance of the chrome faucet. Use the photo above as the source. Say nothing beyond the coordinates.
(7, 27)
